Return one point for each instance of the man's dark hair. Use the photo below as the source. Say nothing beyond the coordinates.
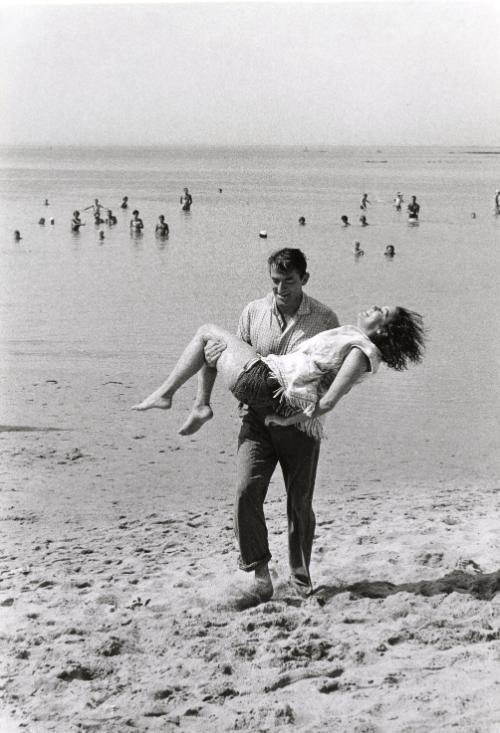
(287, 259)
(402, 339)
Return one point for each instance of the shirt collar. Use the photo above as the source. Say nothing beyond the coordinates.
(304, 307)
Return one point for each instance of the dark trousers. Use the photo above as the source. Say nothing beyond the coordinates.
(260, 448)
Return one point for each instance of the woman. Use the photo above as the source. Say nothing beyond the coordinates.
(299, 387)
(136, 224)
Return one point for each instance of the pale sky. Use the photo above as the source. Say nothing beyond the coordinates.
(374, 73)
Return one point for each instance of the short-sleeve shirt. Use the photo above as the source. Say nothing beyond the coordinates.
(262, 326)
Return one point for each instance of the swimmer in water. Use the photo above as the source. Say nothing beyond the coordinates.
(364, 202)
(413, 209)
(357, 249)
(345, 221)
(136, 224)
(302, 220)
(17, 236)
(102, 235)
(390, 251)
(42, 221)
(162, 229)
(52, 221)
(398, 201)
(96, 211)
(46, 202)
(497, 202)
(124, 203)
(362, 221)
(111, 218)
(186, 200)
(76, 222)
(96, 208)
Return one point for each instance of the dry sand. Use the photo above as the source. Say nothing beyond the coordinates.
(114, 611)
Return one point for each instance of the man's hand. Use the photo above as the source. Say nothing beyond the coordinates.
(213, 350)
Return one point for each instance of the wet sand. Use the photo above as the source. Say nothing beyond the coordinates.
(116, 598)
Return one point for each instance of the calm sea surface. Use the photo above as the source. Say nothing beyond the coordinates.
(125, 306)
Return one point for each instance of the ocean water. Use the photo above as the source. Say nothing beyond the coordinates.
(126, 306)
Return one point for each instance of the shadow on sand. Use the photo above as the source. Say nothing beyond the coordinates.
(482, 586)
(28, 429)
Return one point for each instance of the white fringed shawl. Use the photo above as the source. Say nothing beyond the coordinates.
(306, 373)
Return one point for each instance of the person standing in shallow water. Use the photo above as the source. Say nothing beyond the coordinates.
(96, 211)
(136, 223)
(413, 209)
(161, 228)
(186, 200)
(76, 222)
(398, 201)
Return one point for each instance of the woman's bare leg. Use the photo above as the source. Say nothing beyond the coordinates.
(192, 360)
(201, 411)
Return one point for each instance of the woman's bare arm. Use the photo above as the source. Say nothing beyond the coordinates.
(353, 366)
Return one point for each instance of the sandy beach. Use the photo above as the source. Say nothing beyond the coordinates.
(115, 602)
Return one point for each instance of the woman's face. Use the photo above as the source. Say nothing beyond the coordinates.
(375, 318)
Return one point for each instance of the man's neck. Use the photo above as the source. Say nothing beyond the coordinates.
(289, 311)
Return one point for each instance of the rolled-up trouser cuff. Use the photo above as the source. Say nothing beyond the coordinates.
(251, 566)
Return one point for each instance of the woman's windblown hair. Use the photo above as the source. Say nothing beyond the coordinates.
(403, 340)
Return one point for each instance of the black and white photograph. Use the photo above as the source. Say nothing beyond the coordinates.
(250, 367)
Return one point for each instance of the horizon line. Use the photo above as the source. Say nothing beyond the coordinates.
(305, 146)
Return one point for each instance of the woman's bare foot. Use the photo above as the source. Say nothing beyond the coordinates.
(159, 401)
(199, 415)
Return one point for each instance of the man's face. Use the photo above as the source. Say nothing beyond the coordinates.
(287, 287)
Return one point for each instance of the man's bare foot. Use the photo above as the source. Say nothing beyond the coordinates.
(198, 416)
(258, 592)
(161, 402)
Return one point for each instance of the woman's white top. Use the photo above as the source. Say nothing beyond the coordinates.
(306, 373)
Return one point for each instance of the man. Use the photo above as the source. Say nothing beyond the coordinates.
(413, 209)
(186, 200)
(276, 324)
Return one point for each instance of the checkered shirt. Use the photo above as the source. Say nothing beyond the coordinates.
(262, 326)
